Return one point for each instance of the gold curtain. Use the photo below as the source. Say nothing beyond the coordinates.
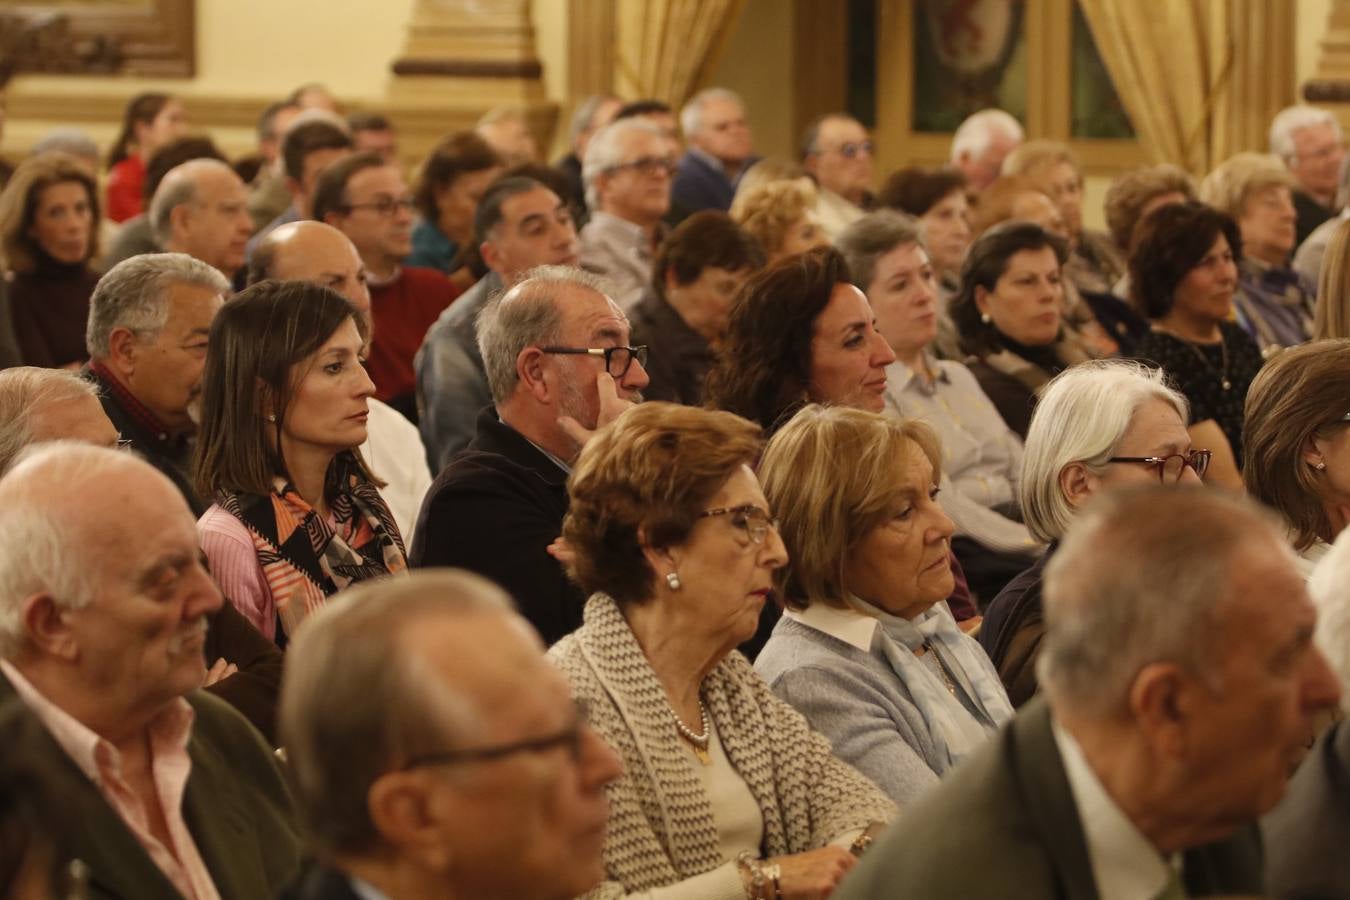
(1200, 79)
(670, 48)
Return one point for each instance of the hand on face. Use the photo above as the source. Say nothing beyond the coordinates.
(611, 407)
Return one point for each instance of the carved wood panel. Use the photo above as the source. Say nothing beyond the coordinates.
(153, 38)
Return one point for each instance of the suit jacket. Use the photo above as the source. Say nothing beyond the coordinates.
(678, 356)
(253, 690)
(236, 805)
(319, 882)
(494, 511)
(700, 184)
(1309, 831)
(1012, 801)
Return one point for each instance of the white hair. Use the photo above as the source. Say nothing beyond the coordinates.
(691, 116)
(976, 133)
(585, 115)
(178, 187)
(25, 390)
(134, 294)
(1081, 416)
(1296, 118)
(1329, 587)
(605, 151)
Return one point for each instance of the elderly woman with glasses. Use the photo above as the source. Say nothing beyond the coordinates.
(866, 649)
(726, 791)
(1297, 437)
(1100, 425)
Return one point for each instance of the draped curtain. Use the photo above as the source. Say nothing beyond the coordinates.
(1200, 79)
(671, 47)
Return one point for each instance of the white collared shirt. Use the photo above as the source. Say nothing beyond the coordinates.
(847, 625)
(1124, 864)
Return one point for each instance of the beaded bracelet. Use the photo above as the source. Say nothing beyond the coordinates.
(761, 875)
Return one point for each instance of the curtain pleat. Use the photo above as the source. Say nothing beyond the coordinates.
(680, 43)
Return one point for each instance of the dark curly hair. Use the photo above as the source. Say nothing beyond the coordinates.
(916, 190)
(985, 264)
(1168, 244)
(707, 239)
(764, 366)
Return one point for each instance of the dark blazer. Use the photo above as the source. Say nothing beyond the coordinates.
(700, 185)
(319, 882)
(236, 805)
(494, 510)
(254, 688)
(1308, 833)
(1012, 801)
(678, 357)
(1014, 624)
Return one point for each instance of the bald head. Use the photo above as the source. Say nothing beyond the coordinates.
(200, 208)
(314, 252)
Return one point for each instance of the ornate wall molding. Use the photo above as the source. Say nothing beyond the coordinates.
(154, 38)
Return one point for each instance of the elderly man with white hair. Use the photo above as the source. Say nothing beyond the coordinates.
(627, 171)
(1308, 140)
(201, 209)
(980, 145)
(720, 151)
(1182, 685)
(168, 792)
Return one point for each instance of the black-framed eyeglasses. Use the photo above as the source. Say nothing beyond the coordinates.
(850, 149)
(754, 521)
(647, 166)
(1171, 467)
(385, 206)
(617, 359)
(569, 738)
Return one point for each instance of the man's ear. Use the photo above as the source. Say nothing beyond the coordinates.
(45, 625)
(1163, 701)
(530, 371)
(491, 257)
(295, 189)
(124, 351)
(408, 817)
(179, 217)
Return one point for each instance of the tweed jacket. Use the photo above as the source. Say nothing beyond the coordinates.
(661, 826)
(1012, 802)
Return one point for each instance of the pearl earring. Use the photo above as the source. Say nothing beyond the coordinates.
(673, 580)
(986, 318)
(271, 417)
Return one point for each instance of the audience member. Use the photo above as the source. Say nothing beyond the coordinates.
(267, 193)
(507, 131)
(320, 254)
(700, 268)
(771, 168)
(313, 141)
(149, 319)
(938, 200)
(49, 225)
(657, 113)
(1138, 192)
(450, 183)
(395, 680)
(1098, 426)
(372, 132)
(592, 114)
(1274, 304)
(367, 200)
(1311, 250)
(720, 150)
(671, 536)
(35, 861)
(297, 515)
(1183, 271)
(1178, 629)
(137, 235)
(150, 121)
(1308, 141)
(1296, 438)
(1009, 316)
(867, 650)
(314, 95)
(627, 171)
(781, 215)
(981, 456)
(103, 642)
(200, 209)
(560, 366)
(73, 141)
(1332, 315)
(1016, 197)
(981, 142)
(837, 153)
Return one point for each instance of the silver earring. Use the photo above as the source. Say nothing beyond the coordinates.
(986, 318)
(1321, 467)
(271, 417)
(673, 580)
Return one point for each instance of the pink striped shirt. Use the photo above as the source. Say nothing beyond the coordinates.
(170, 767)
(234, 565)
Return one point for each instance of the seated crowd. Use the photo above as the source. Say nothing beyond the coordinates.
(670, 523)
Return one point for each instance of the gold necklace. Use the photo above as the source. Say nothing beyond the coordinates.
(1224, 380)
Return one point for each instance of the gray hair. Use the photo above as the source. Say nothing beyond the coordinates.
(67, 140)
(1142, 577)
(976, 133)
(872, 237)
(134, 295)
(691, 116)
(23, 391)
(1329, 587)
(355, 703)
(605, 151)
(528, 315)
(585, 114)
(178, 187)
(1081, 416)
(1296, 118)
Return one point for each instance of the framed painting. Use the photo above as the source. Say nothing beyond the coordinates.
(151, 38)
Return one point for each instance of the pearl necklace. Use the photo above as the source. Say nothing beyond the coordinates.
(698, 742)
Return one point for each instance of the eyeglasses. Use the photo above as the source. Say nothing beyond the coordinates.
(385, 206)
(1170, 468)
(569, 738)
(754, 521)
(850, 149)
(647, 165)
(617, 359)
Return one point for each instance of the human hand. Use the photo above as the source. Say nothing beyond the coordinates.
(812, 875)
(219, 672)
(611, 407)
(562, 551)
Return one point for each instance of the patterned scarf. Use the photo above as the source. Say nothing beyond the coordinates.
(304, 559)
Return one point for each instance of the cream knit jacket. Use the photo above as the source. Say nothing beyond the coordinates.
(661, 827)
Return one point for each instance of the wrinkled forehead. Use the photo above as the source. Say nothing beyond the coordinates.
(589, 314)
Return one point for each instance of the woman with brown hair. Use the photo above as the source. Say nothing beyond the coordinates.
(298, 516)
(151, 121)
(49, 221)
(449, 185)
(726, 791)
(1296, 435)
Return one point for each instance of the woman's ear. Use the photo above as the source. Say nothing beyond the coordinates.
(1312, 453)
(1077, 484)
(663, 560)
(982, 300)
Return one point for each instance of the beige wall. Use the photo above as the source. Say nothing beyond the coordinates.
(758, 66)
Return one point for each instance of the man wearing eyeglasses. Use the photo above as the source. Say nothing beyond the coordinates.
(436, 752)
(559, 366)
(367, 199)
(627, 172)
(837, 153)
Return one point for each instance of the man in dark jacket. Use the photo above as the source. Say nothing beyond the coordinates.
(720, 151)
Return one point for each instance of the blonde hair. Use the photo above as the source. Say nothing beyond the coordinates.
(825, 507)
(1131, 192)
(1030, 158)
(766, 171)
(769, 211)
(18, 205)
(1332, 316)
(1232, 183)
